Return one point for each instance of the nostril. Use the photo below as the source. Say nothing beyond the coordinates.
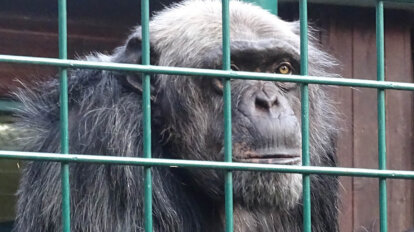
(262, 104)
(275, 102)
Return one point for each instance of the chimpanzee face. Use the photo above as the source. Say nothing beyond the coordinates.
(265, 121)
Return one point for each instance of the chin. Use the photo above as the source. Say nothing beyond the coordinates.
(267, 189)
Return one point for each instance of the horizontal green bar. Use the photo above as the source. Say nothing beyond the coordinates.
(8, 105)
(400, 1)
(270, 5)
(347, 2)
(336, 171)
(207, 72)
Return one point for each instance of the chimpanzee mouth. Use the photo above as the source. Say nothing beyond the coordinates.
(265, 155)
(287, 159)
(269, 156)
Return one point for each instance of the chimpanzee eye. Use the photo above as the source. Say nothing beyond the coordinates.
(284, 68)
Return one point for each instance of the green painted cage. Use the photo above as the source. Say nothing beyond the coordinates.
(382, 173)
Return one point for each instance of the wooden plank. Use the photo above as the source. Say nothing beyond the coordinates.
(45, 44)
(76, 27)
(399, 125)
(366, 206)
(29, 43)
(38, 37)
(337, 37)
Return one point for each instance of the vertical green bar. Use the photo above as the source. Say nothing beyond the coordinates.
(64, 131)
(303, 14)
(228, 184)
(382, 159)
(270, 5)
(146, 106)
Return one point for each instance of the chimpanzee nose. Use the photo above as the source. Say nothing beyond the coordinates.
(265, 100)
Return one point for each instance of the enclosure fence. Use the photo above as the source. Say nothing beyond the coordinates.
(227, 74)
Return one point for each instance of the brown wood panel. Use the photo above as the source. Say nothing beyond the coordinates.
(44, 43)
(366, 206)
(361, 120)
(399, 124)
(80, 27)
(337, 37)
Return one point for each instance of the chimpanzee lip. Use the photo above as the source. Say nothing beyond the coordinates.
(276, 158)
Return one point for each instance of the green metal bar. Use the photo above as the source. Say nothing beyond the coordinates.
(400, 1)
(305, 158)
(303, 15)
(64, 121)
(146, 106)
(382, 159)
(178, 163)
(208, 73)
(270, 5)
(228, 181)
(9, 105)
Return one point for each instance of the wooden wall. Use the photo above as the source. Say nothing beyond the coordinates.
(349, 33)
(36, 36)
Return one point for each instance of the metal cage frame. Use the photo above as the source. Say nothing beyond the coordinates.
(227, 74)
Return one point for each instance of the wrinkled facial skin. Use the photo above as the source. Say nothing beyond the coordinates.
(265, 129)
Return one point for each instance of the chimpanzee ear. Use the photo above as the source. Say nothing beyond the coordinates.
(131, 53)
(135, 82)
